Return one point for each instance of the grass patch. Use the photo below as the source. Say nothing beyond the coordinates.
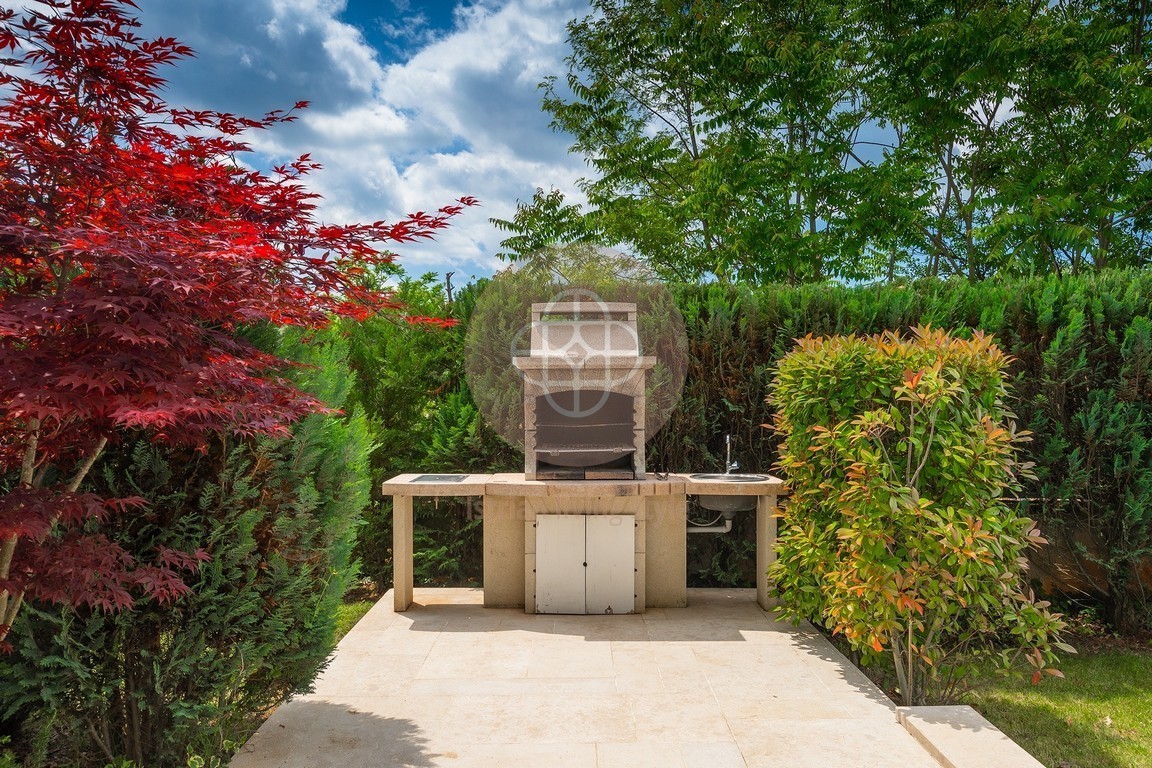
(1098, 716)
(348, 614)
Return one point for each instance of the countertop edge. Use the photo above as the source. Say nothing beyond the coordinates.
(514, 484)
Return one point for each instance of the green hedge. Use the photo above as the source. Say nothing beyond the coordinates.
(1081, 379)
(166, 684)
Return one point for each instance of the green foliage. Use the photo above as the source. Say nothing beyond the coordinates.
(7, 757)
(730, 350)
(1080, 357)
(757, 140)
(716, 130)
(1090, 406)
(543, 223)
(410, 382)
(445, 555)
(898, 455)
(401, 369)
(186, 680)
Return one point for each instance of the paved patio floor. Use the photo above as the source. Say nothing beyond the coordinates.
(718, 684)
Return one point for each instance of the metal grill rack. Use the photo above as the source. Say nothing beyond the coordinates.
(584, 392)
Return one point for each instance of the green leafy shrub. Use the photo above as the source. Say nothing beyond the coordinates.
(897, 535)
(169, 682)
(422, 418)
(7, 758)
(1080, 373)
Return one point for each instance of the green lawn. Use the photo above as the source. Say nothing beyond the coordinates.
(350, 613)
(1099, 716)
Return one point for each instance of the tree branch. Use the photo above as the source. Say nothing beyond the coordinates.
(86, 465)
(28, 465)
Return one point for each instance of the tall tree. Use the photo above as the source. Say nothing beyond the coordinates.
(941, 75)
(763, 140)
(1074, 183)
(723, 133)
(132, 247)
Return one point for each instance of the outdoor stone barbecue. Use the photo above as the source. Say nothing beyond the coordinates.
(584, 392)
(585, 529)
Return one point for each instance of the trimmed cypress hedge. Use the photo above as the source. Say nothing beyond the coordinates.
(1081, 380)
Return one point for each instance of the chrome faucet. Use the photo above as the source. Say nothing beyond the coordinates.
(729, 465)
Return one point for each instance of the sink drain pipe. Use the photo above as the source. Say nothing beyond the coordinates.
(712, 527)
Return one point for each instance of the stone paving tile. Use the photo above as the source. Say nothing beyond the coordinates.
(551, 659)
(719, 684)
(536, 718)
(717, 755)
(576, 755)
(364, 674)
(669, 755)
(640, 755)
(399, 638)
(603, 628)
(839, 743)
(721, 754)
(459, 661)
(319, 734)
(674, 717)
(515, 620)
(560, 686)
(768, 705)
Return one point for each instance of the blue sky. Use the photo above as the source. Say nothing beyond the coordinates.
(413, 102)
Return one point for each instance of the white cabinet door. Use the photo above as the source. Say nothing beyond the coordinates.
(611, 556)
(560, 564)
(585, 563)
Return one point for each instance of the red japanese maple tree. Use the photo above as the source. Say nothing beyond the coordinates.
(133, 244)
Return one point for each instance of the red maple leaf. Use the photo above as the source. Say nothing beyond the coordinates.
(132, 246)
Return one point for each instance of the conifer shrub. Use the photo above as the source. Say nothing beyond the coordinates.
(899, 453)
(1080, 376)
(191, 678)
(409, 382)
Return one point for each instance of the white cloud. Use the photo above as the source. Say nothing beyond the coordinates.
(459, 116)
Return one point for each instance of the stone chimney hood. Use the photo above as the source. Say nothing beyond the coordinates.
(584, 392)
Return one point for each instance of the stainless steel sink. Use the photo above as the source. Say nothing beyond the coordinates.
(719, 478)
(727, 503)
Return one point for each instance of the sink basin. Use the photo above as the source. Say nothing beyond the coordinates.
(718, 478)
(727, 503)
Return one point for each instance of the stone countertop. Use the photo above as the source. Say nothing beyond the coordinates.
(436, 484)
(514, 484)
(772, 486)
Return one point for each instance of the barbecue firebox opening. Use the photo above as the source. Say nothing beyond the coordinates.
(584, 393)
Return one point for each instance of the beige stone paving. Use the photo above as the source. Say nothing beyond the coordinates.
(718, 684)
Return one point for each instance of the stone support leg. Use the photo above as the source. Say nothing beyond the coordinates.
(402, 552)
(504, 549)
(765, 546)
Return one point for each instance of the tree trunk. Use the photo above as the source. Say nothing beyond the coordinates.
(1120, 609)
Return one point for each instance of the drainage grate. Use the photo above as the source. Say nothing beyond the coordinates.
(438, 479)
